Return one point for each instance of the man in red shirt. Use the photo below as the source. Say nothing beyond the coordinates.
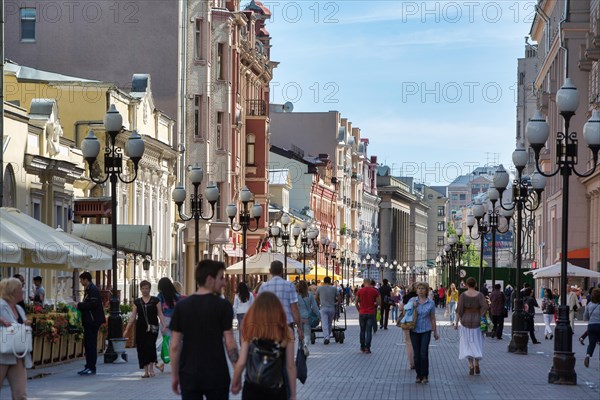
(367, 300)
(442, 296)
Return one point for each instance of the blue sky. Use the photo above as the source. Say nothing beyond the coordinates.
(430, 83)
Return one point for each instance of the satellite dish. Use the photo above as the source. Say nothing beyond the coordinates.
(288, 106)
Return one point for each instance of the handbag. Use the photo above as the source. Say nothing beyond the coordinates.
(378, 315)
(313, 317)
(150, 328)
(410, 316)
(16, 340)
(301, 369)
(504, 313)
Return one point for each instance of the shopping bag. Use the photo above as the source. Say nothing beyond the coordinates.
(378, 315)
(164, 350)
(301, 370)
(73, 319)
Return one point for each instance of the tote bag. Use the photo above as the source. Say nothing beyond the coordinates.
(16, 340)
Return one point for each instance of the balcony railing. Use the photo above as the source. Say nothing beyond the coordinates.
(256, 107)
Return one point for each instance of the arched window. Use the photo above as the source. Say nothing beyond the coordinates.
(8, 188)
(250, 148)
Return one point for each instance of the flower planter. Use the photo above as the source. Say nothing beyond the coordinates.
(56, 350)
(64, 347)
(46, 351)
(36, 354)
(71, 346)
(131, 338)
(79, 348)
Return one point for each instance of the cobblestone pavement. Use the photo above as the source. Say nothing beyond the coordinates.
(341, 371)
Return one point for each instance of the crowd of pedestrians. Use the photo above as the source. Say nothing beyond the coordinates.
(275, 313)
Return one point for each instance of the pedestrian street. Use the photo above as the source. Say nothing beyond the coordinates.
(341, 371)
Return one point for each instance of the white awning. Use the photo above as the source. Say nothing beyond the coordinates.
(27, 242)
(231, 252)
(134, 239)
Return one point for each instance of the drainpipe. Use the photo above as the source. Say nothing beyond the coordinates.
(546, 19)
(179, 245)
(562, 44)
(1, 102)
(182, 88)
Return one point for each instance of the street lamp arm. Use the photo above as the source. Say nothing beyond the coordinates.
(99, 181)
(533, 203)
(182, 216)
(130, 180)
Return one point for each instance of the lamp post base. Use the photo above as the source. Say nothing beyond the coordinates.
(563, 369)
(520, 336)
(563, 362)
(518, 343)
(115, 330)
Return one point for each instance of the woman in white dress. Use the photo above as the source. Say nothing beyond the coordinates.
(472, 305)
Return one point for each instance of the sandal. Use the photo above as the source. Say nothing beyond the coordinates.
(160, 367)
(471, 370)
(146, 375)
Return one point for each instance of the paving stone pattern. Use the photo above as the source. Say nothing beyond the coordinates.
(341, 371)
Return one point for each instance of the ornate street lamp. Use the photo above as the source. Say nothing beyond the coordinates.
(277, 233)
(327, 248)
(113, 168)
(537, 130)
(212, 195)
(308, 236)
(393, 266)
(488, 222)
(526, 194)
(367, 261)
(244, 220)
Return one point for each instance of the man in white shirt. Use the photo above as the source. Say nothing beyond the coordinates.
(286, 292)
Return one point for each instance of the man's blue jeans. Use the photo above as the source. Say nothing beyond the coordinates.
(366, 322)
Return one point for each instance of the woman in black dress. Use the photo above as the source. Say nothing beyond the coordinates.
(148, 312)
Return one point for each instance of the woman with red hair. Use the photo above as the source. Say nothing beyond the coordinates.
(269, 341)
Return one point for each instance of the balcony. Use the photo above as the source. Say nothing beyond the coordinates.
(256, 108)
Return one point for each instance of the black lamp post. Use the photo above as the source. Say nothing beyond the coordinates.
(212, 195)
(244, 220)
(327, 248)
(488, 222)
(113, 168)
(393, 266)
(308, 236)
(277, 233)
(567, 101)
(526, 194)
(367, 261)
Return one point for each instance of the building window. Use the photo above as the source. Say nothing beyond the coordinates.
(250, 149)
(198, 40)
(454, 197)
(28, 24)
(9, 187)
(219, 132)
(463, 196)
(198, 116)
(441, 211)
(441, 226)
(36, 209)
(218, 208)
(221, 61)
(440, 240)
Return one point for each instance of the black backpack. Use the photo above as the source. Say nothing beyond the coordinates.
(264, 366)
